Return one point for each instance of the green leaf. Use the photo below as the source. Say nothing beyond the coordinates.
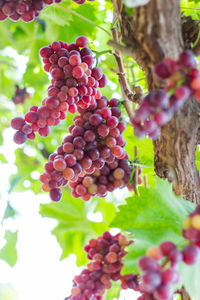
(2, 158)
(152, 217)
(74, 228)
(9, 212)
(9, 252)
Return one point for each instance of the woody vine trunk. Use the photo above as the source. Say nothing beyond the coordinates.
(151, 33)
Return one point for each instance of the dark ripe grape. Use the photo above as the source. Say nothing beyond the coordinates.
(59, 164)
(182, 92)
(78, 131)
(77, 72)
(121, 126)
(150, 126)
(175, 256)
(162, 117)
(95, 119)
(80, 189)
(55, 194)
(45, 177)
(188, 59)
(46, 52)
(43, 112)
(169, 275)
(79, 154)
(74, 60)
(94, 154)
(106, 113)
(86, 163)
(97, 73)
(112, 122)
(77, 168)
(68, 147)
(81, 41)
(161, 70)
(99, 163)
(17, 123)
(116, 112)
(167, 247)
(79, 142)
(163, 292)
(56, 175)
(31, 117)
(44, 131)
(89, 136)
(20, 137)
(147, 263)
(160, 99)
(105, 152)
(26, 129)
(49, 166)
(70, 160)
(191, 254)
(141, 114)
(103, 81)
(150, 281)
(103, 130)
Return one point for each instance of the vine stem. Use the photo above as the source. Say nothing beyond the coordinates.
(126, 92)
(81, 17)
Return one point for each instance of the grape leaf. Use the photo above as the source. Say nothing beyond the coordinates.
(74, 228)
(9, 212)
(9, 252)
(152, 217)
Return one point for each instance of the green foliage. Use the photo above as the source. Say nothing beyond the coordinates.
(74, 227)
(10, 212)
(9, 252)
(152, 217)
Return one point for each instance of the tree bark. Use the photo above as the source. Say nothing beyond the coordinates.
(153, 32)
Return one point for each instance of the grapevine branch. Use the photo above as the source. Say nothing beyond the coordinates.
(126, 92)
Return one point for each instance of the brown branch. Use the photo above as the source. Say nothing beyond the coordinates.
(126, 92)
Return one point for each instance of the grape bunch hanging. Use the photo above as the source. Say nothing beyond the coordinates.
(74, 84)
(182, 80)
(92, 159)
(158, 269)
(106, 253)
(26, 10)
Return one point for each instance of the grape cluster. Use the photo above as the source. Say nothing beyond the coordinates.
(106, 253)
(92, 159)
(74, 84)
(20, 95)
(158, 278)
(191, 227)
(157, 108)
(154, 111)
(27, 10)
